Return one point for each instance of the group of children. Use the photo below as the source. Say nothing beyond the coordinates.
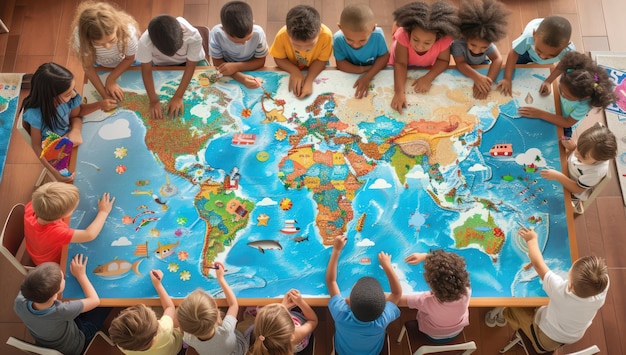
(425, 35)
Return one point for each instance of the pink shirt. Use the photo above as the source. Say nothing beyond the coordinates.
(440, 320)
(426, 60)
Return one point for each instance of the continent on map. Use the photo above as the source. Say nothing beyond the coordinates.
(486, 235)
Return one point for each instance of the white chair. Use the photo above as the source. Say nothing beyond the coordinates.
(30, 348)
(13, 246)
(588, 351)
(24, 130)
(419, 344)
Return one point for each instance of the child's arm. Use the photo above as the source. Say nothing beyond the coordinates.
(231, 300)
(105, 204)
(506, 84)
(530, 236)
(166, 301)
(482, 83)
(111, 85)
(308, 313)
(415, 258)
(78, 268)
(396, 289)
(531, 112)
(422, 84)
(295, 75)
(331, 269)
(546, 86)
(176, 107)
(400, 68)
(496, 64)
(314, 70)
(156, 111)
(568, 184)
(85, 109)
(362, 84)
(235, 69)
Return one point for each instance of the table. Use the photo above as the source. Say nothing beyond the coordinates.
(263, 182)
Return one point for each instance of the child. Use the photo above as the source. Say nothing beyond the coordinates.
(360, 46)
(203, 328)
(303, 43)
(237, 44)
(105, 36)
(64, 326)
(45, 228)
(587, 163)
(482, 24)
(169, 41)
(573, 302)
(544, 41)
(423, 39)
(442, 312)
(361, 319)
(136, 329)
(582, 85)
(53, 105)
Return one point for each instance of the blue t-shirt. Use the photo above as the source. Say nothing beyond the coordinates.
(459, 49)
(33, 117)
(353, 336)
(575, 109)
(526, 43)
(366, 55)
(221, 47)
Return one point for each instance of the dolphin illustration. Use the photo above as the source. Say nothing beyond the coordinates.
(263, 245)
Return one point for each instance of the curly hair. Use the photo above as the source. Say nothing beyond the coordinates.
(584, 78)
(446, 275)
(485, 19)
(440, 18)
(303, 23)
(590, 276)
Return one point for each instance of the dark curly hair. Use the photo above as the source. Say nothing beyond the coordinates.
(485, 19)
(584, 78)
(440, 18)
(303, 23)
(446, 275)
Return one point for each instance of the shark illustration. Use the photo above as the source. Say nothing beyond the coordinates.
(263, 245)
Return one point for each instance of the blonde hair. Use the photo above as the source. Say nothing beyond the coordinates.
(198, 314)
(93, 21)
(273, 330)
(358, 18)
(134, 328)
(55, 200)
(589, 276)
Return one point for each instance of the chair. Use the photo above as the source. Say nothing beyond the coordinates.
(386, 350)
(12, 237)
(102, 344)
(419, 344)
(204, 32)
(24, 130)
(588, 351)
(521, 339)
(581, 206)
(30, 348)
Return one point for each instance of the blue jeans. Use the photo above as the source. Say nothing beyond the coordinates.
(524, 59)
(90, 322)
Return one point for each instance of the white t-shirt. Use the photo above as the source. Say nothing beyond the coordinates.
(567, 316)
(191, 50)
(586, 175)
(111, 57)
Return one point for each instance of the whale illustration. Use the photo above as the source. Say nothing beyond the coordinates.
(263, 245)
(116, 269)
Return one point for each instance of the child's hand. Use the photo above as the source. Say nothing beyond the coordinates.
(227, 69)
(175, 108)
(550, 174)
(251, 82)
(545, 88)
(530, 112)
(362, 86)
(295, 83)
(219, 270)
(421, 85)
(569, 144)
(478, 94)
(78, 266)
(306, 90)
(156, 111)
(114, 90)
(105, 204)
(288, 301)
(107, 104)
(156, 276)
(295, 297)
(398, 102)
(483, 83)
(340, 242)
(415, 258)
(505, 87)
(75, 136)
(385, 260)
(527, 234)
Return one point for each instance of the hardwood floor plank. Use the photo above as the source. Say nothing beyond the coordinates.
(612, 224)
(41, 19)
(197, 15)
(613, 11)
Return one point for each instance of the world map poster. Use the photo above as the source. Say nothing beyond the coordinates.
(263, 182)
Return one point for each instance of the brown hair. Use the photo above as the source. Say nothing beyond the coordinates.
(42, 282)
(198, 314)
(273, 330)
(584, 78)
(486, 20)
(55, 200)
(303, 23)
(358, 18)
(446, 275)
(554, 31)
(589, 276)
(598, 143)
(134, 328)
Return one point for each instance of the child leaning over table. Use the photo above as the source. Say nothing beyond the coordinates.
(237, 44)
(64, 326)
(136, 330)
(360, 46)
(45, 221)
(304, 43)
(573, 302)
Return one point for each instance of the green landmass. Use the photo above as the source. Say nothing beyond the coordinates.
(403, 163)
(486, 234)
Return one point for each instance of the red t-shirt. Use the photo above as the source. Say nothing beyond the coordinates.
(45, 242)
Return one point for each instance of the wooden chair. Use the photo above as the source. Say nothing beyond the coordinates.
(204, 32)
(13, 245)
(30, 348)
(581, 206)
(102, 344)
(419, 344)
(24, 130)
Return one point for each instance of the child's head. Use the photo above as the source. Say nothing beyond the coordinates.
(43, 283)
(482, 23)
(303, 27)
(357, 23)
(237, 21)
(134, 328)
(426, 23)
(198, 314)
(273, 331)
(596, 144)
(367, 299)
(552, 36)
(583, 79)
(446, 275)
(166, 34)
(55, 200)
(100, 24)
(588, 276)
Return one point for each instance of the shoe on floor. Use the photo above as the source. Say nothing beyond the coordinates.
(492, 320)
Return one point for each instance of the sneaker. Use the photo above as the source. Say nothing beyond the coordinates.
(492, 320)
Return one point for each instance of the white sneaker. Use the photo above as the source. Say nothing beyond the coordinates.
(492, 320)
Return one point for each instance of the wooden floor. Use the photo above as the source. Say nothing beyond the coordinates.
(39, 31)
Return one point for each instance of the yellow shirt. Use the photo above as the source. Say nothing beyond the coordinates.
(282, 48)
(168, 341)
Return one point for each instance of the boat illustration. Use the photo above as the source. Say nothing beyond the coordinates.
(290, 227)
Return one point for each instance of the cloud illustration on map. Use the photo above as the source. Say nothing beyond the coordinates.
(365, 243)
(380, 184)
(531, 156)
(115, 130)
(477, 167)
(417, 173)
(266, 202)
(121, 242)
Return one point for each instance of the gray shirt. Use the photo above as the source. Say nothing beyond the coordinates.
(458, 48)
